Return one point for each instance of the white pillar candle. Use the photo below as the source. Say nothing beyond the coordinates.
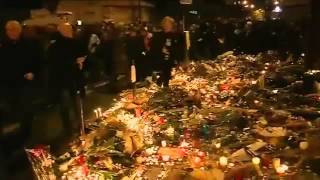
(133, 74)
(188, 42)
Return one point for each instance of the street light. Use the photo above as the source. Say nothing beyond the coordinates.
(277, 9)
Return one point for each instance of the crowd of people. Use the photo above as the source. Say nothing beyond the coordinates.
(209, 39)
(61, 62)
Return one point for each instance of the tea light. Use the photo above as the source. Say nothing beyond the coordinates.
(276, 162)
(282, 169)
(304, 145)
(223, 161)
(165, 158)
(218, 145)
(253, 82)
(164, 143)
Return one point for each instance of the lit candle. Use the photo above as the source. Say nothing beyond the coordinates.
(223, 161)
(256, 163)
(165, 158)
(304, 145)
(96, 112)
(133, 74)
(276, 162)
(170, 131)
(218, 145)
(188, 44)
(164, 143)
(282, 169)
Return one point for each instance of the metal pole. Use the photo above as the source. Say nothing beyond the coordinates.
(82, 127)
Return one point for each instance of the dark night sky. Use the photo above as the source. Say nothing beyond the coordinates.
(21, 3)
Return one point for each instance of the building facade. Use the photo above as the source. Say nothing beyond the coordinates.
(95, 11)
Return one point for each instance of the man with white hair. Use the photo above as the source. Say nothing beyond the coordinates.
(18, 69)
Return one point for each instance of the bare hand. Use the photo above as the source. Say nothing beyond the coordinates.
(29, 76)
(80, 61)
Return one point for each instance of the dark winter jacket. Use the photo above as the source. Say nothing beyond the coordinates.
(64, 72)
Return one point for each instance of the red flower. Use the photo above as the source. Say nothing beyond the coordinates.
(161, 121)
(183, 152)
(39, 150)
(138, 112)
(81, 160)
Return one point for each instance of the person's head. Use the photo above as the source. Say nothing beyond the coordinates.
(13, 30)
(168, 24)
(66, 30)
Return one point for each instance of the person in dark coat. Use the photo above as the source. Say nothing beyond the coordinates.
(106, 48)
(66, 60)
(207, 43)
(135, 52)
(167, 50)
(19, 68)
